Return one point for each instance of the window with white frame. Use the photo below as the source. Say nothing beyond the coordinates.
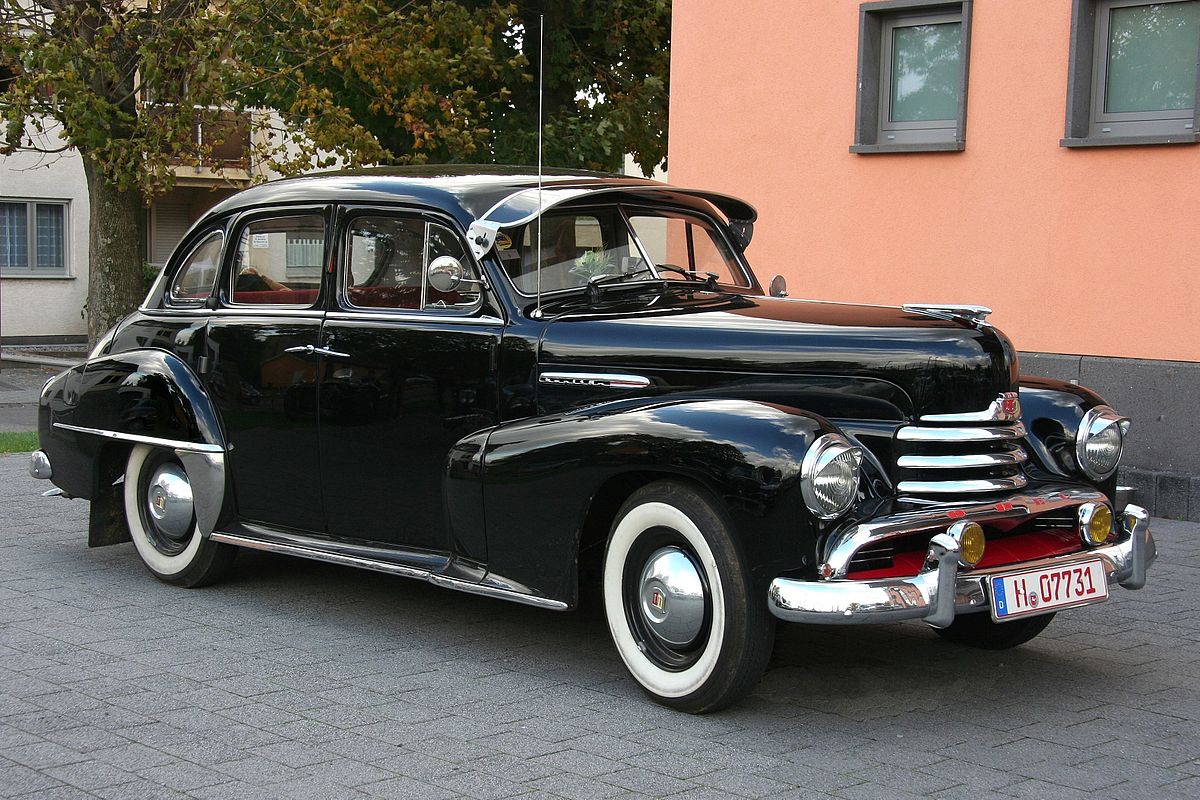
(33, 238)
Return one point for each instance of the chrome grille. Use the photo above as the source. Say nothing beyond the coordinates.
(963, 453)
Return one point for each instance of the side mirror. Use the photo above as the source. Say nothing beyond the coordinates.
(445, 273)
(778, 287)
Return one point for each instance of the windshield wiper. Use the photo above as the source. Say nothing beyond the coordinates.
(710, 279)
(594, 283)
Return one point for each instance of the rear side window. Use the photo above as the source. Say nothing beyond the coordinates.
(196, 276)
(278, 261)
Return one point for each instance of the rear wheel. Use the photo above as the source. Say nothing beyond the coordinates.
(162, 521)
(678, 601)
(980, 630)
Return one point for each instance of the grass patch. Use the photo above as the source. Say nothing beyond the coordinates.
(18, 442)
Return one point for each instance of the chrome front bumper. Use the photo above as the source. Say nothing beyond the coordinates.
(940, 591)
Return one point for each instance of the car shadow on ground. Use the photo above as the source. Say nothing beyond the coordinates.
(856, 672)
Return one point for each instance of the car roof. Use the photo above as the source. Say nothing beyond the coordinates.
(465, 191)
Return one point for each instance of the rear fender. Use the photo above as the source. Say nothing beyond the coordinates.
(542, 475)
(137, 397)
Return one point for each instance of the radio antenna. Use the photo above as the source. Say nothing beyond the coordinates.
(537, 310)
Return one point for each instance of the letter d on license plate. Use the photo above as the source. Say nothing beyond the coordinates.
(1040, 591)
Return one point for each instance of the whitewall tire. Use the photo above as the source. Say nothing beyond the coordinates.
(162, 522)
(678, 603)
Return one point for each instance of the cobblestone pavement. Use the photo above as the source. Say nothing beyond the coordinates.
(301, 680)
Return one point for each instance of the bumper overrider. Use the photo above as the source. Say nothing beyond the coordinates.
(941, 589)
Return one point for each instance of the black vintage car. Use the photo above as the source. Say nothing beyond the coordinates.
(524, 392)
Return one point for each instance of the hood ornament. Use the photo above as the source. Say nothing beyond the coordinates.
(976, 314)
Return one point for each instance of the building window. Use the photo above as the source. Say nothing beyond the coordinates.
(1133, 73)
(33, 238)
(912, 76)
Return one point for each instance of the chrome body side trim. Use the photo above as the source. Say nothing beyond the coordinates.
(1005, 408)
(312, 549)
(968, 486)
(918, 433)
(843, 545)
(940, 590)
(1007, 458)
(137, 438)
(599, 379)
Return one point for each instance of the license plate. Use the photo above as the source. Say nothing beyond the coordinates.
(1040, 591)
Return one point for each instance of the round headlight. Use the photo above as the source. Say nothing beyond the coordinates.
(1099, 441)
(829, 475)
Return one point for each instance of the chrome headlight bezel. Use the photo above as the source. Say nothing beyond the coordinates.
(1099, 420)
(823, 455)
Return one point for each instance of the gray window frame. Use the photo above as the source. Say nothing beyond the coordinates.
(873, 132)
(29, 270)
(1087, 124)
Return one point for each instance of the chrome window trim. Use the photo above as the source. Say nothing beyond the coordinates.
(384, 315)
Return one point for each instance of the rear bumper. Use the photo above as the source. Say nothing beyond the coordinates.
(940, 590)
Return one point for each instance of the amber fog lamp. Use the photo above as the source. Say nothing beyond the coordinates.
(971, 542)
(1095, 523)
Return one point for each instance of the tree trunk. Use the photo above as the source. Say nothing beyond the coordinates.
(117, 251)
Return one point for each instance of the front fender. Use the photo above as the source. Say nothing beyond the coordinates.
(141, 396)
(542, 475)
(1052, 410)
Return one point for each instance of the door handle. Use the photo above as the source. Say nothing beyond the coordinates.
(310, 350)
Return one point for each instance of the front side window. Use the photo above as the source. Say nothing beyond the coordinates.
(33, 238)
(263, 268)
(912, 80)
(1134, 72)
(387, 263)
(197, 275)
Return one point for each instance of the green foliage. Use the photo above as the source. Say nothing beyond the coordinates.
(18, 442)
(592, 264)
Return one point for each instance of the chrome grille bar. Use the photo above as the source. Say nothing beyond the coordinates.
(969, 486)
(990, 433)
(1007, 458)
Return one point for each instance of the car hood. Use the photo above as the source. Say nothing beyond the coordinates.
(942, 365)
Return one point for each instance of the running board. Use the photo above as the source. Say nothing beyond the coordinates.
(312, 549)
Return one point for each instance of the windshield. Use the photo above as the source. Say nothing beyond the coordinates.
(579, 245)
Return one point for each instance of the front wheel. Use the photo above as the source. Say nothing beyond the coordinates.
(162, 521)
(679, 603)
(980, 630)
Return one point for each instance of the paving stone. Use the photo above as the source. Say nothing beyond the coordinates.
(303, 680)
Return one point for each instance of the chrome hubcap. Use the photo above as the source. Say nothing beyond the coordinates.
(169, 501)
(672, 597)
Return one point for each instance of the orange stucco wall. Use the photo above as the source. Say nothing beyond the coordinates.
(762, 106)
